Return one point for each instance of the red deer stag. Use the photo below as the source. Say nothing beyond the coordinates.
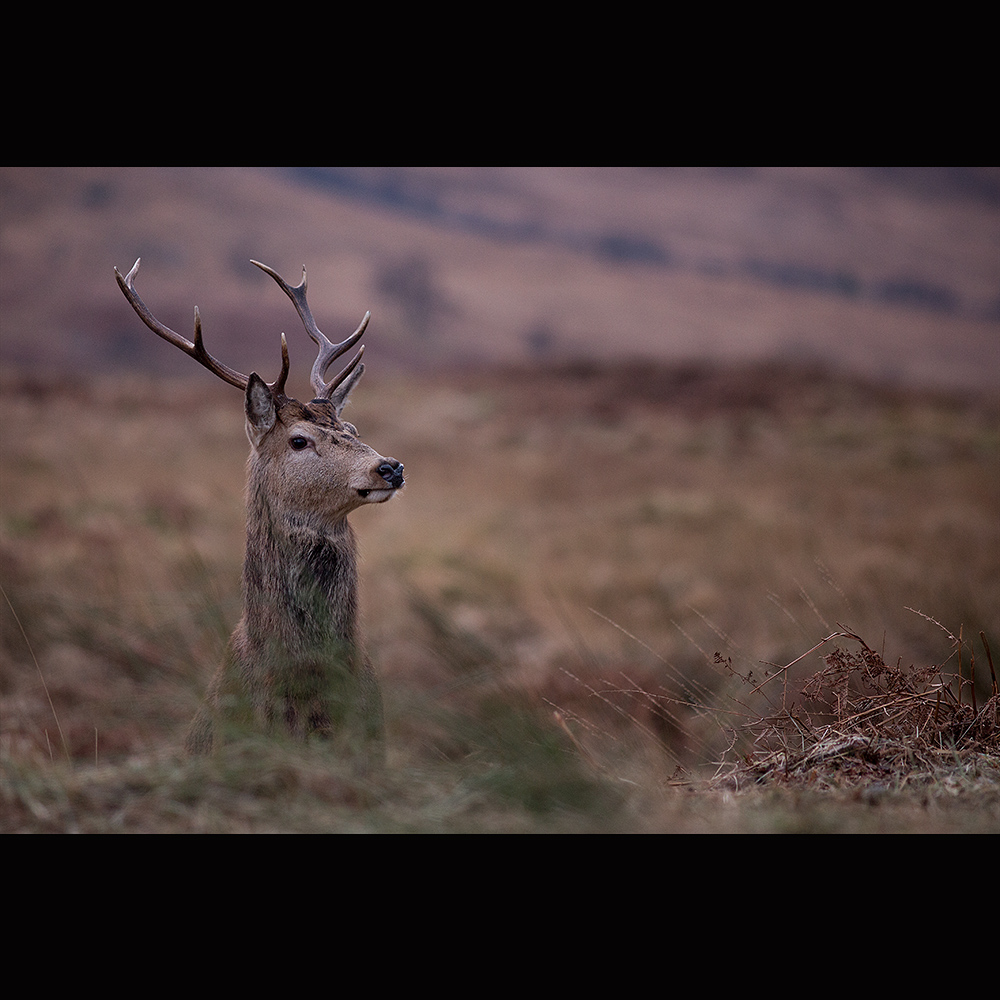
(295, 663)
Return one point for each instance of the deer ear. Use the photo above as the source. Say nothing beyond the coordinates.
(262, 412)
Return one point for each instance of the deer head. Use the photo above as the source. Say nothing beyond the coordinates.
(312, 466)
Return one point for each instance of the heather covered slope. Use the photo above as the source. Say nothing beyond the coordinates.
(890, 274)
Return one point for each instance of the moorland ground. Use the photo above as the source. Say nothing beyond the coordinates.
(544, 601)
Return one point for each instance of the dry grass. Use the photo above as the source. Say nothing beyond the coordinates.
(861, 721)
(573, 607)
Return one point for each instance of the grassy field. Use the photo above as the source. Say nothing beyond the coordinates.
(577, 606)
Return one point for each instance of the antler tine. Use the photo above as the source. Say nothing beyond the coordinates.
(328, 351)
(195, 349)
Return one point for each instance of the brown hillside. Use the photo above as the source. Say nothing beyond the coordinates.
(889, 275)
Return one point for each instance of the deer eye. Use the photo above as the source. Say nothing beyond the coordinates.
(298, 443)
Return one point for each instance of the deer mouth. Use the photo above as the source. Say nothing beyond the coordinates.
(392, 472)
(376, 496)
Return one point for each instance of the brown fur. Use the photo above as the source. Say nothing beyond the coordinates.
(294, 662)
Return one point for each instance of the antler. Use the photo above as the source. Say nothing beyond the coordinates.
(196, 349)
(328, 351)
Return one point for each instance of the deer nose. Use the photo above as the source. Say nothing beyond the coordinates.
(392, 472)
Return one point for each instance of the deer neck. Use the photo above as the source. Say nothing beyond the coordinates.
(299, 578)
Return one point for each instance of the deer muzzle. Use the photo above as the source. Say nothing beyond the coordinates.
(392, 472)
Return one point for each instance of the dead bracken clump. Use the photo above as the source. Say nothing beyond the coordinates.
(861, 720)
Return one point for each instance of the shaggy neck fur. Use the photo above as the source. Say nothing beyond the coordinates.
(299, 579)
